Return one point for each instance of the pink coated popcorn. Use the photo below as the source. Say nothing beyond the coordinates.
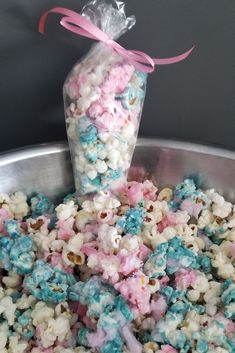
(97, 338)
(134, 192)
(117, 79)
(96, 110)
(169, 220)
(133, 345)
(3, 216)
(158, 308)
(74, 85)
(149, 191)
(136, 292)
(144, 251)
(164, 280)
(56, 261)
(229, 324)
(184, 279)
(233, 250)
(168, 349)
(89, 324)
(78, 308)
(129, 263)
(65, 228)
(191, 207)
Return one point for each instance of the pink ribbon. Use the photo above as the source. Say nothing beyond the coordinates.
(78, 24)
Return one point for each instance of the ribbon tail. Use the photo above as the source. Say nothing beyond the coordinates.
(174, 59)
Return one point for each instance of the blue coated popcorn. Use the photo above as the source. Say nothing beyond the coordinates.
(140, 77)
(175, 293)
(23, 324)
(114, 346)
(87, 132)
(184, 190)
(17, 254)
(12, 228)
(41, 205)
(179, 256)
(21, 255)
(166, 330)
(155, 265)
(50, 285)
(131, 97)
(228, 299)
(5, 246)
(103, 303)
(202, 346)
(82, 336)
(134, 221)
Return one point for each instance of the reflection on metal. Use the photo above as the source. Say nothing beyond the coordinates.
(47, 168)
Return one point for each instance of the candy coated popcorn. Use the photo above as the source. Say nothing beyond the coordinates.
(127, 272)
(104, 96)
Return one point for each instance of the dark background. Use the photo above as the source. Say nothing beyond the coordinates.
(192, 100)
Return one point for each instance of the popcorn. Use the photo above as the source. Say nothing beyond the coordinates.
(125, 272)
(18, 205)
(65, 211)
(7, 309)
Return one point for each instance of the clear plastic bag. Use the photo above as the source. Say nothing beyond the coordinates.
(104, 96)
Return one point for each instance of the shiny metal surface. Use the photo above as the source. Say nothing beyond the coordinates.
(47, 167)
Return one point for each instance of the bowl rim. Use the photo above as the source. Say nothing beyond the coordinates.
(49, 148)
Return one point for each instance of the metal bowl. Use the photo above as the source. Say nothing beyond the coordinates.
(47, 168)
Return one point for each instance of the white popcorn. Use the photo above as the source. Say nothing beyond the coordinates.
(25, 302)
(104, 136)
(65, 211)
(211, 309)
(71, 259)
(151, 347)
(57, 245)
(43, 242)
(7, 309)
(4, 198)
(38, 225)
(157, 208)
(101, 166)
(193, 295)
(165, 194)
(100, 202)
(169, 233)
(191, 324)
(220, 207)
(62, 309)
(130, 243)
(83, 217)
(205, 219)
(16, 345)
(4, 202)
(3, 335)
(201, 282)
(54, 329)
(12, 280)
(92, 174)
(41, 313)
(18, 205)
(109, 238)
(213, 293)
(83, 103)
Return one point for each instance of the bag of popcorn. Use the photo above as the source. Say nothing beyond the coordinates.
(104, 95)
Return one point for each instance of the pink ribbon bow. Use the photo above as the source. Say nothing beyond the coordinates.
(78, 24)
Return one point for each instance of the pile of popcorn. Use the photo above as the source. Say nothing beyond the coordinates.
(139, 271)
(104, 96)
